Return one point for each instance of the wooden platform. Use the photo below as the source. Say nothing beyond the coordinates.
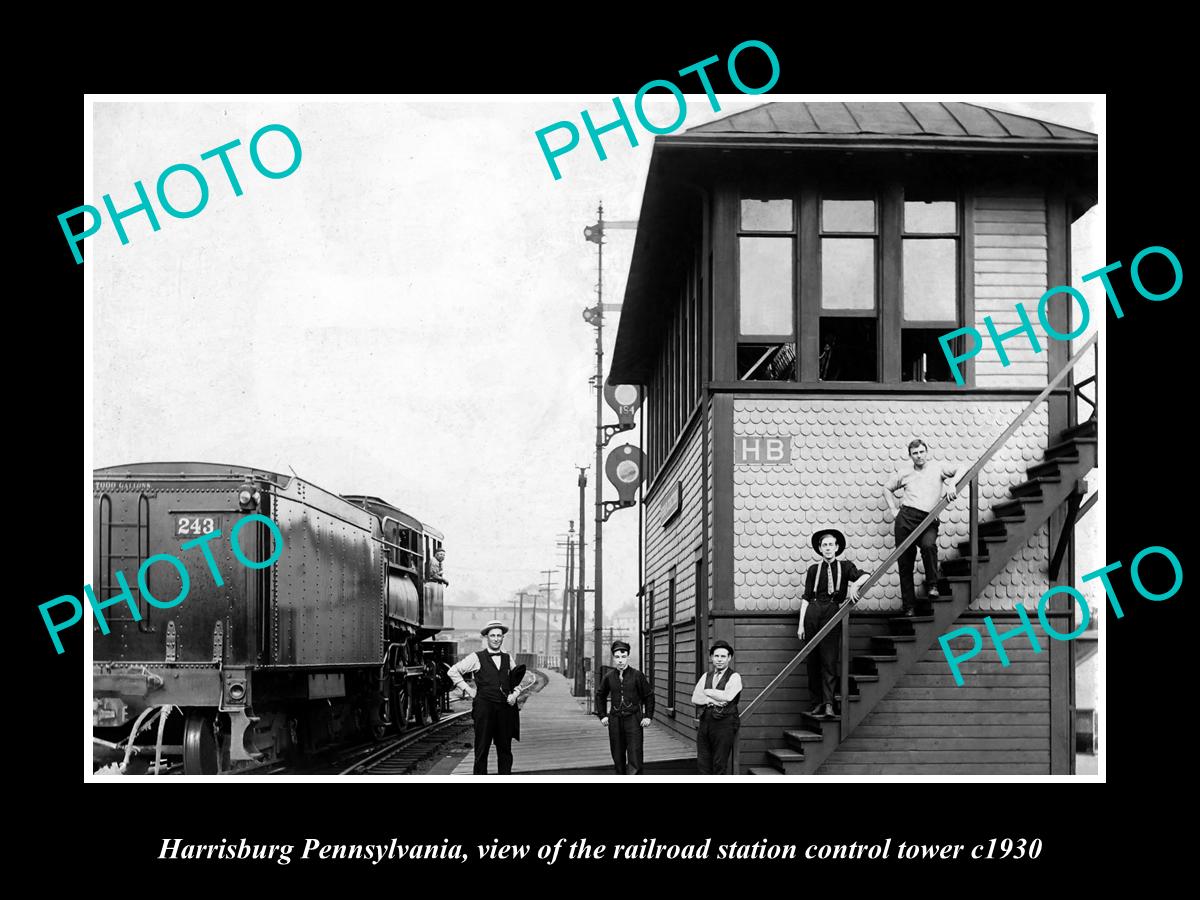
(558, 737)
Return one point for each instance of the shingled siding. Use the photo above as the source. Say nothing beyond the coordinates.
(842, 452)
(1010, 266)
(674, 545)
(997, 723)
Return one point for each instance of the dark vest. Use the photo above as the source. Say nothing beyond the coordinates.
(491, 683)
(730, 710)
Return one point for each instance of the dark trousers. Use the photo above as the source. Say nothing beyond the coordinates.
(824, 662)
(714, 743)
(493, 723)
(906, 524)
(625, 741)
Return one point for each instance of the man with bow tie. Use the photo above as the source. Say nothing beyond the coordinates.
(496, 693)
(827, 585)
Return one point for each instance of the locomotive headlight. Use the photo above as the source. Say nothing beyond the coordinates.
(248, 497)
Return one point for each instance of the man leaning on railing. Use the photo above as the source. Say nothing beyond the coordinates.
(922, 485)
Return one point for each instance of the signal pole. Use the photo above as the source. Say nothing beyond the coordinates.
(568, 598)
(547, 573)
(598, 625)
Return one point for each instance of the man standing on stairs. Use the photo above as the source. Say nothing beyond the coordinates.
(826, 587)
(921, 486)
(716, 698)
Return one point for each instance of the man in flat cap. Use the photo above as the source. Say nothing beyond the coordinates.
(632, 709)
(826, 587)
(496, 692)
(716, 698)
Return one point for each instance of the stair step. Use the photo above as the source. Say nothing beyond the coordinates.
(1033, 487)
(854, 697)
(958, 566)
(764, 770)
(790, 762)
(862, 679)
(1066, 448)
(800, 737)
(895, 638)
(999, 525)
(1014, 508)
(916, 618)
(881, 657)
(862, 666)
(1083, 429)
(812, 723)
(1052, 469)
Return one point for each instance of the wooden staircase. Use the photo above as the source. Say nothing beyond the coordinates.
(873, 674)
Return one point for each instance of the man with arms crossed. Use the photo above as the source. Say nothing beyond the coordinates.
(716, 698)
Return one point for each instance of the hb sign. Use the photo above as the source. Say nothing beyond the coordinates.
(625, 400)
(625, 468)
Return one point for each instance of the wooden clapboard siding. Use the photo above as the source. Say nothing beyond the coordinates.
(673, 546)
(1010, 265)
(997, 722)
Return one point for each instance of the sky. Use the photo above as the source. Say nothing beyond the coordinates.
(401, 316)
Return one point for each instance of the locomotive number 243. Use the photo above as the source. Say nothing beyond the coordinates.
(189, 525)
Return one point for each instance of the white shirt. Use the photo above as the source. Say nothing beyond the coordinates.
(733, 687)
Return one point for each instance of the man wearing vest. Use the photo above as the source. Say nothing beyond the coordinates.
(632, 710)
(826, 588)
(716, 699)
(495, 709)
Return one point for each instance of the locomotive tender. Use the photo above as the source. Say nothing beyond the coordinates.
(323, 644)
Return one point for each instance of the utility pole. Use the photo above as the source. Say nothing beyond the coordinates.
(568, 591)
(579, 686)
(547, 573)
(521, 624)
(598, 625)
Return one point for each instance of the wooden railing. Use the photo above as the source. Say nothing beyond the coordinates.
(971, 476)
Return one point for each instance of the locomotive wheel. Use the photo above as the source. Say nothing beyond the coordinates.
(420, 707)
(199, 745)
(401, 707)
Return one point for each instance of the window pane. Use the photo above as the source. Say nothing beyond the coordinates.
(765, 286)
(936, 217)
(848, 349)
(848, 215)
(930, 281)
(767, 215)
(847, 273)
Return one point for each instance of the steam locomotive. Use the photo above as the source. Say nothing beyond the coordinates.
(332, 640)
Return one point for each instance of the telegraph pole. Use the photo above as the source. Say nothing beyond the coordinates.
(597, 625)
(568, 591)
(521, 624)
(547, 573)
(579, 686)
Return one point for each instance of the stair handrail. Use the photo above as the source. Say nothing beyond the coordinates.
(970, 474)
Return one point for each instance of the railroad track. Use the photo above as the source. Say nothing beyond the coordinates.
(401, 754)
(398, 755)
